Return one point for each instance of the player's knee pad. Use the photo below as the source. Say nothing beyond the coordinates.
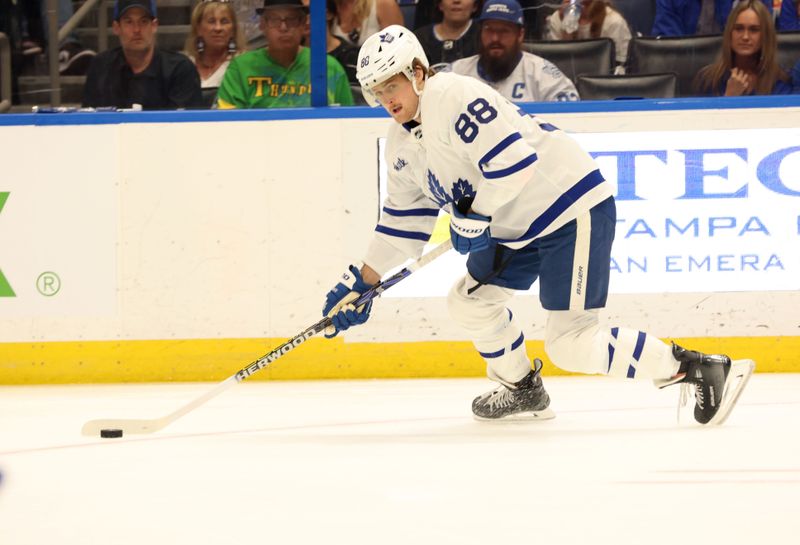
(481, 313)
(573, 341)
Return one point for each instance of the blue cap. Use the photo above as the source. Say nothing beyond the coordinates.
(121, 6)
(503, 10)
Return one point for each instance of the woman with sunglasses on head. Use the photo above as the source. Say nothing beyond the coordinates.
(356, 20)
(215, 38)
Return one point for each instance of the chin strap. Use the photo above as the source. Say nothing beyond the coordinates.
(419, 94)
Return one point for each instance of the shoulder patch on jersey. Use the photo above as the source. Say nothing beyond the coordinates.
(399, 164)
(551, 69)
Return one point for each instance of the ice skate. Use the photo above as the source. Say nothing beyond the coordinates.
(718, 382)
(526, 400)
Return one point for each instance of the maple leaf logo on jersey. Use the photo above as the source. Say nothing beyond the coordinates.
(461, 189)
(439, 194)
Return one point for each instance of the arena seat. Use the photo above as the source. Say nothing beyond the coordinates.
(576, 57)
(663, 85)
(788, 49)
(684, 55)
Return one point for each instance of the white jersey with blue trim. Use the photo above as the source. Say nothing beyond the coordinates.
(524, 173)
(533, 80)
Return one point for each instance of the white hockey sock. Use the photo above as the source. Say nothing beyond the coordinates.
(636, 354)
(489, 323)
(575, 341)
(504, 353)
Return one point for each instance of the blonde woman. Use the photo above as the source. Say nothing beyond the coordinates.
(356, 20)
(748, 61)
(598, 20)
(215, 38)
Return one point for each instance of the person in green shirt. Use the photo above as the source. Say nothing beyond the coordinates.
(279, 75)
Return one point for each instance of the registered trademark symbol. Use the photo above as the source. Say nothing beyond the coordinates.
(48, 283)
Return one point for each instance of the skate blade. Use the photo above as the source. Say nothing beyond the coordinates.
(528, 416)
(740, 373)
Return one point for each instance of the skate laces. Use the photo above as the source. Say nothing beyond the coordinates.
(685, 394)
(500, 398)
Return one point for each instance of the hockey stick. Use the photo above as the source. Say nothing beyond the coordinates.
(128, 425)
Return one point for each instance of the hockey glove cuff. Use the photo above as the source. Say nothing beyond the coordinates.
(468, 231)
(339, 303)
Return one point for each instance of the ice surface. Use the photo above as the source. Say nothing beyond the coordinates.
(398, 462)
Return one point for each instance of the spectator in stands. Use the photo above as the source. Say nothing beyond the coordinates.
(214, 39)
(357, 20)
(597, 20)
(138, 72)
(279, 75)
(345, 53)
(501, 63)
(689, 17)
(748, 61)
(455, 37)
(73, 58)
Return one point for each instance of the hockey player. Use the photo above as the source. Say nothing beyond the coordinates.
(526, 202)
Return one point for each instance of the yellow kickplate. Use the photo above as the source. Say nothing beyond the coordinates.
(217, 359)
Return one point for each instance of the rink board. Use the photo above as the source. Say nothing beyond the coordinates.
(218, 359)
(188, 244)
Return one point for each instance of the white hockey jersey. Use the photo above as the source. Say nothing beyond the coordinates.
(527, 175)
(533, 80)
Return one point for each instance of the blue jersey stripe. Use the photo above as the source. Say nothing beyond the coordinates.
(637, 351)
(530, 159)
(573, 194)
(614, 333)
(412, 212)
(495, 151)
(547, 127)
(516, 344)
(610, 356)
(414, 235)
(490, 355)
(631, 371)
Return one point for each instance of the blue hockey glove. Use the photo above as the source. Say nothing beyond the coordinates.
(339, 303)
(468, 231)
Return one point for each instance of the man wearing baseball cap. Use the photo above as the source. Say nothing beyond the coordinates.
(279, 75)
(138, 72)
(501, 63)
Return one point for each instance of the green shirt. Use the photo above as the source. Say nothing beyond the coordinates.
(254, 80)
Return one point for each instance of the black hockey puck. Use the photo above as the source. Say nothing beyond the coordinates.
(108, 434)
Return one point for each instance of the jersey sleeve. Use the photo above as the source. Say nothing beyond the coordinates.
(408, 216)
(667, 19)
(554, 26)
(555, 86)
(617, 29)
(230, 94)
(788, 18)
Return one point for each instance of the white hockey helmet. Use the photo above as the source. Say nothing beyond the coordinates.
(385, 54)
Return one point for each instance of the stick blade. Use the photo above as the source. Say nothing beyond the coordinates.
(128, 426)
